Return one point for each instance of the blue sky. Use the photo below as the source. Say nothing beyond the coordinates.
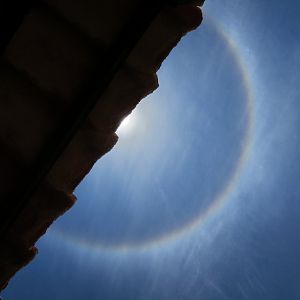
(136, 232)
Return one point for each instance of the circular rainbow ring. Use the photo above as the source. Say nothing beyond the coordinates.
(221, 197)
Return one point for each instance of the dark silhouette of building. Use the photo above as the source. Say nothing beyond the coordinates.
(70, 72)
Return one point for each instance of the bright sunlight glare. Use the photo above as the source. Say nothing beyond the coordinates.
(126, 125)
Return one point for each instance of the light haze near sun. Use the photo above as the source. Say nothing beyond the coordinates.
(127, 125)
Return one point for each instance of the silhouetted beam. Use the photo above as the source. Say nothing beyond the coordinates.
(83, 105)
(12, 13)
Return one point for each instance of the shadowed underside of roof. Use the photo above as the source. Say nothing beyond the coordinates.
(70, 72)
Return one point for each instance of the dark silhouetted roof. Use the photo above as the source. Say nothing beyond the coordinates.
(70, 72)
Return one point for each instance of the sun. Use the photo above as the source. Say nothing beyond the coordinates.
(127, 125)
